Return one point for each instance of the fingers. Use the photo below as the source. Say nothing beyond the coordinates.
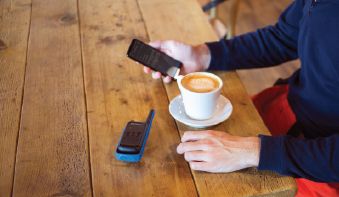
(196, 156)
(167, 79)
(156, 44)
(161, 45)
(156, 75)
(191, 146)
(197, 135)
(201, 166)
(165, 46)
(147, 70)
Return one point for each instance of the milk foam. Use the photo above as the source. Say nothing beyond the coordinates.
(201, 84)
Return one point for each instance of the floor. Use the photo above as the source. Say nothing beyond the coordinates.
(254, 14)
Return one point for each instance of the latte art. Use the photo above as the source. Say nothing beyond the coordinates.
(200, 83)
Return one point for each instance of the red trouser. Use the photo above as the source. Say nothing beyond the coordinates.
(274, 109)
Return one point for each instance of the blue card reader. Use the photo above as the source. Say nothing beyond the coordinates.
(133, 140)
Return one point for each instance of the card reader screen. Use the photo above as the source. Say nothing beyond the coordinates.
(133, 136)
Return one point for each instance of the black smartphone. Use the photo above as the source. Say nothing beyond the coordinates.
(134, 135)
(153, 58)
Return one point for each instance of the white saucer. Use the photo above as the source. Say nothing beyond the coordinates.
(223, 112)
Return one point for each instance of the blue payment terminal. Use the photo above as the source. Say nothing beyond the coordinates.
(133, 140)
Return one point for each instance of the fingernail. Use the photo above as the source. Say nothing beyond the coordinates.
(146, 70)
(157, 75)
(167, 79)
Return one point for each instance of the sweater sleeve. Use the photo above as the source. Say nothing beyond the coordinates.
(265, 47)
(315, 159)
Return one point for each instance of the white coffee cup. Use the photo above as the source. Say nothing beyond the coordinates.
(200, 105)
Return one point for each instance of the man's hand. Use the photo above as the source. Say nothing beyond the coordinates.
(215, 151)
(194, 58)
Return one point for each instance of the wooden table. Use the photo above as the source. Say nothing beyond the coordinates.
(67, 90)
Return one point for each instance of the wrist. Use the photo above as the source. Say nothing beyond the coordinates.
(202, 55)
(254, 156)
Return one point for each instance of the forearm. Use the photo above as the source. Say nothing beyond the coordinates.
(268, 46)
(262, 48)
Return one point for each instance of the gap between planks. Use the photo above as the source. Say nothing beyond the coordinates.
(167, 96)
(85, 99)
(22, 94)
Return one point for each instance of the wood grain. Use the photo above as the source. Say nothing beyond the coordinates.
(52, 155)
(190, 25)
(118, 91)
(232, 17)
(14, 27)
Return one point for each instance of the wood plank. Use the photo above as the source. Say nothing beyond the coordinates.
(194, 28)
(52, 156)
(118, 91)
(14, 27)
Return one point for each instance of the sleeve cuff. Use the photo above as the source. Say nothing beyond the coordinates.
(218, 55)
(271, 152)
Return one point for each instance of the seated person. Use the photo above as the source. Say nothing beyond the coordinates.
(302, 115)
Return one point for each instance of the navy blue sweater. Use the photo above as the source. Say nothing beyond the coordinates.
(308, 30)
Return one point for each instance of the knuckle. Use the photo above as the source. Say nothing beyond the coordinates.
(166, 43)
(210, 133)
(208, 142)
(206, 147)
(224, 134)
(204, 144)
(187, 133)
(213, 133)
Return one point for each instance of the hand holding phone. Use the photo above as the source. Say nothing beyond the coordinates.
(153, 58)
(193, 58)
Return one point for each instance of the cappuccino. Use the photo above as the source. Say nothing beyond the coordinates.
(200, 83)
